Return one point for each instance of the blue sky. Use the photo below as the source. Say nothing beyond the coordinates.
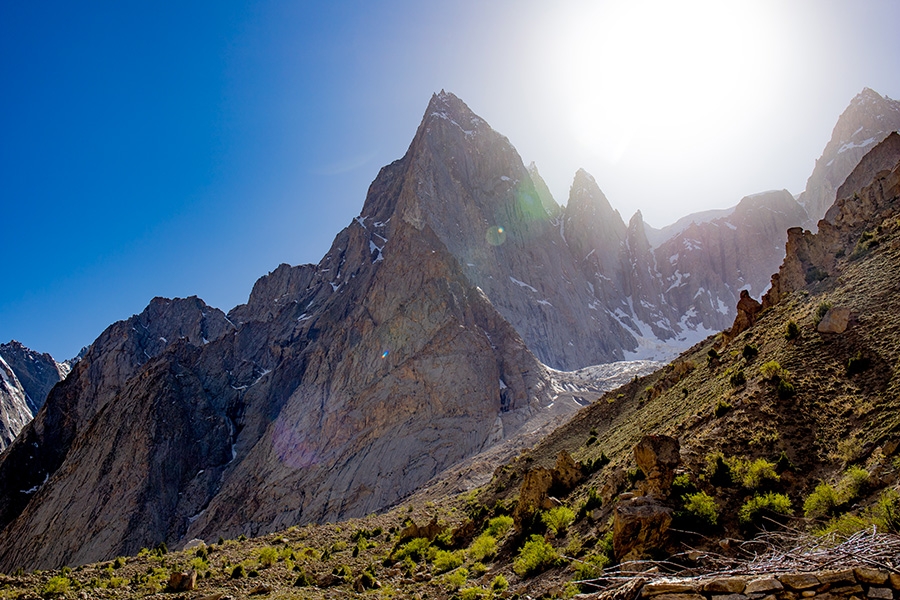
(172, 149)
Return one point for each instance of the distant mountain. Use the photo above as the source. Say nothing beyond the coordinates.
(866, 122)
(37, 372)
(418, 342)
(14, 411)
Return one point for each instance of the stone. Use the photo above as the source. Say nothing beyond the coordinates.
(871, 576)
(640, 526)
(748, 311)
(835, 320)
(880, 593)
(725, 585)
(894, 580)
(845, 576)
(763, 584)
(666, 587)
(181, 581)
(848, 590)
(629, 591)
(728, 597)
(657, 456)
(799, 581)
(411, 531)
(808, 593)
(686, 596)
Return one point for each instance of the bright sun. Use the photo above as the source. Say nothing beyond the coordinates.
(671, 72)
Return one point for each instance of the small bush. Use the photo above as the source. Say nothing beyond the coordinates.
(768, 505)
(593, 501)
(749, 352)
(717, 470)
(558, 519)
(887, 511)
(712, 357)
(456, 579)
(57, 585)
(304, 579)
(445, 561)
(119, 562)
(498, 526)
(738, 378)
(785, 389)
(591, 567)
(267, 556)
(792, 331)
(536, 556)
(472, 593)
(771, 370)
(753, 474)
(723, 406)
(821, 501)
(702, 507)
(484, 546)
(499, 584)
(239, 572)
(853, 483)
(415, 549)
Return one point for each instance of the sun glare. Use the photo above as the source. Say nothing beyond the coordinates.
(668, 71)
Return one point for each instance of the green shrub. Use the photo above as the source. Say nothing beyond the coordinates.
(445, 561)
(267, 556)
(239, 572)
(119, 562)
(785, 389)
(749, 352)
(478, 569)
(712, 357)
(821, 502)
(535, 556)
(771, 370)
(499, 583)
(738, 378)
(591, 567)
(723, 406)
(887, 511)
(752, 474)
(415, 549)
(304, 579)
(456, 579)
(472, 593)
(852, 484)
(57, 585)
(593, 501)
(558, 519)
(702, 507)
(767, 505)
(866, 242)
(792, 331)
(498, 526)
(484, 546)
(717, 470)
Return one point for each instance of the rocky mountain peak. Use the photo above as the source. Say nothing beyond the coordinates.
(14, 411)
(540, 186)
(868, 119)
(37, 372)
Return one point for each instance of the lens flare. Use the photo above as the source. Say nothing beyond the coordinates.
(495, 236)
(384, 354)
(292, 447)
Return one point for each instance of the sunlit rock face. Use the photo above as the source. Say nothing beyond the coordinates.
(866, 122)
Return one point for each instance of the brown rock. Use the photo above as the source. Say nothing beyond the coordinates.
(640, 526)
(679, 597)
(655, 588)
(871, 576)
(799, 581)
(894, 580)
(844, 576)
(567, 473)
(412, 531)
(748, 311)
(180, 581)
(533, 496)
(725, 585)
(763, 584)
(880, 593)
(657, 456)
(835, 320)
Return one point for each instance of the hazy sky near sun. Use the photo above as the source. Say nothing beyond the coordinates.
(150, 150)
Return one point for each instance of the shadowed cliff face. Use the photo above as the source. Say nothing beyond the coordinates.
(14, 411)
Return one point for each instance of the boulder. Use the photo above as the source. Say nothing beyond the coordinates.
(181, 581)
(658, 456)
(640, 526)
(835, 320)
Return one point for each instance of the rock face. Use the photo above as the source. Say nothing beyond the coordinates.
(14, 411)
(37, 373)
(810, 257)
(336, 390)
(867, 121)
